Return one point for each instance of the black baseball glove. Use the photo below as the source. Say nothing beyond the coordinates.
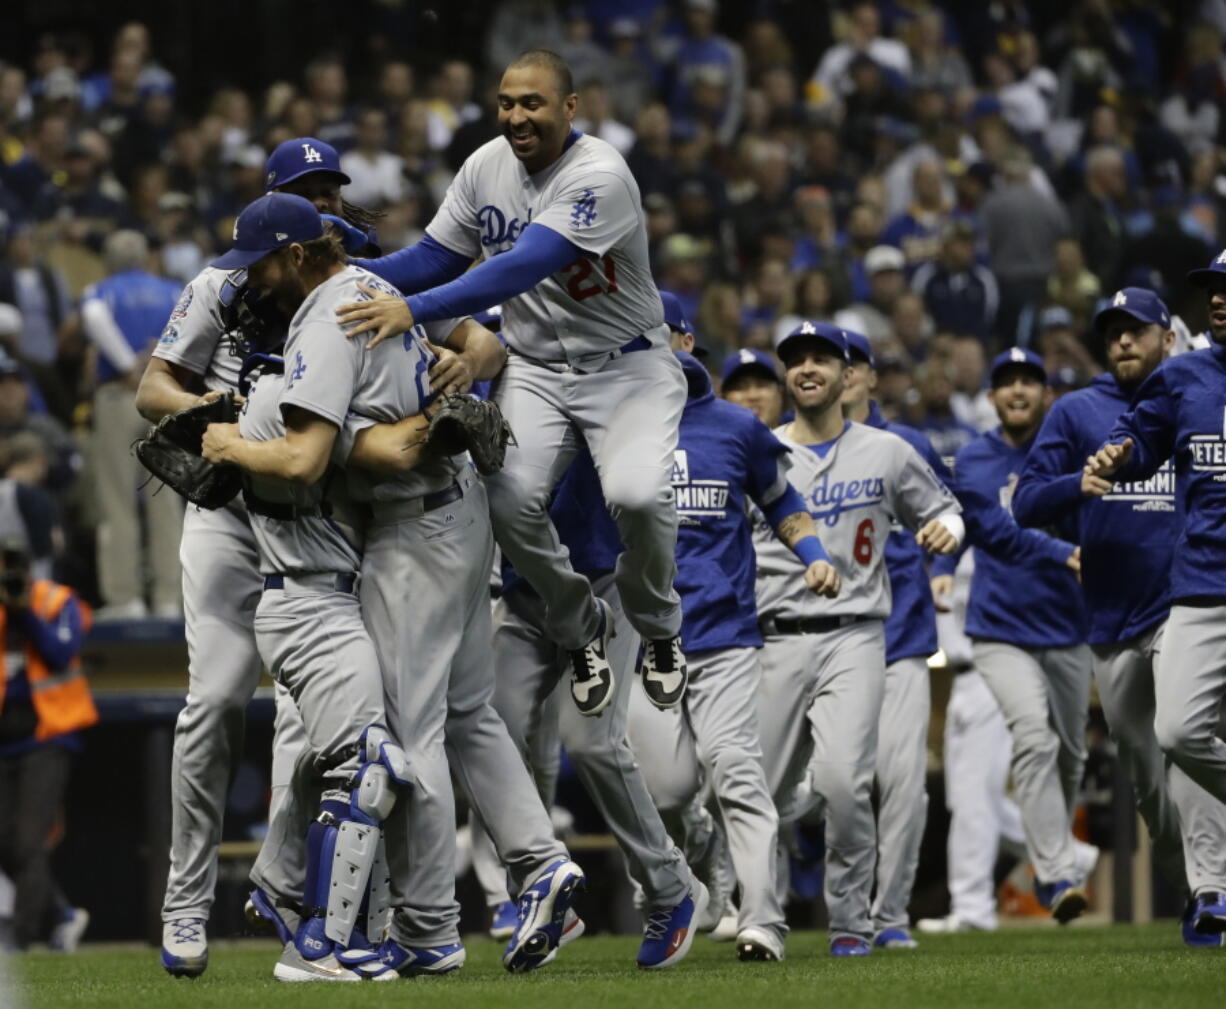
(171, 452)
(476, 426)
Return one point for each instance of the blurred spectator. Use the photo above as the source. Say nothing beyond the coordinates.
(586, 59)
(769, 207)
(630, 70)
(918, 231)
(719, 317)
(123, 316)
(29, 178)
(824, 166)
(709, 73)
(451, 104)
(520, 25)
(45, 703)
(375, 174)
(862, 37)
(873, 108)
(1071, 285)
(968, 371)
(815, 298)
(886, 282)
(328, 87)
(79, 209)
(38, 292)
(820, 242)
(122, 101)
(396, 82)
(1095, 215)
(1057, 340)
(933, 411)
(1022, 104)
(1194, 111)
(596, 117)
(1170, 248)
(651, 158)
(1021, 225)
(18, 418)
(768, 297)
(961, 295)
(683, 269)
(863, 232)
(935, 63)
(913, 329)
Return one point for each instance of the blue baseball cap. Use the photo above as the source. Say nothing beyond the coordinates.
(292, 159)
(820, 332)
(270, 223)
(1201, 278)
(1016, 357)
(674, 316)
(747, 359)
(1134, 303)
(859, 347)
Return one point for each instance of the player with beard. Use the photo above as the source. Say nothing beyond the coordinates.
(1177, 414)
(1026, 624)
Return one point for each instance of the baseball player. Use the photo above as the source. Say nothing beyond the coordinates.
(823, 660)
(1177, 413)
(556, 218)
(910, 637)
(1026, 622)
(725, 456)
(750, 378)
(221, 587)
(1127, 534)
(435, 656)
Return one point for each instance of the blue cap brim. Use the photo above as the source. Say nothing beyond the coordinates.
(1201, 278)
(787, 341)
(282, 183)
(236, 259)
(1103, 317)
(1029, 366)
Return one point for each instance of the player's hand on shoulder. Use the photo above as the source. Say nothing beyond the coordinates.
(451, 373)
(217, 439)
(936, 538)
(384, 315)
(823, 579)
(942, 588)
(1107, 461)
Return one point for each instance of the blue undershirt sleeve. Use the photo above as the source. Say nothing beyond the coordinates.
(538, 253)
(419, 267)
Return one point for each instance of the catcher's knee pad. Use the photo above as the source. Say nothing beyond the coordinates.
(347, 879)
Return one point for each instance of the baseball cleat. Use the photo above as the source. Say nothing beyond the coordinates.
(949, 924)
(894, 938)
(669, 931)
(1063, 899)
(66, 936)
(849, 945)
(758, 945)
(541, 916)
(726, 930)
(664, 672)
(502, 924)
(591, 676)
(185, 950)
(264, 914)
(1209, 918)
(392, 960)
(572, 929)
(1191, 937)
(293, 966)
(1085, 858)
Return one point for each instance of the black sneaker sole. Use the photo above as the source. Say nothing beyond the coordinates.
(659, 698)
(597, 700)
(751, 952)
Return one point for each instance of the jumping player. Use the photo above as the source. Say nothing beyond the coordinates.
(557, 218)
(823, 660)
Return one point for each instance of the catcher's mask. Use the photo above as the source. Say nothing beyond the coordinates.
(253, 323)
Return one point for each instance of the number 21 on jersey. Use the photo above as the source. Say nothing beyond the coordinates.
(582, 281)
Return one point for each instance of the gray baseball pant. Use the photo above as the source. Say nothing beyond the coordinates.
(221, 587)
(425, 600)
(628, 413)
(713, 735)
(531, 667)
(1190, 685)
(1044, 695)
(818, 708)
(902, 766)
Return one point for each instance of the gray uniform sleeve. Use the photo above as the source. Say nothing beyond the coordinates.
(322, 369)
(455, 225)
(194, 328)
(595, 213)
(916, 496)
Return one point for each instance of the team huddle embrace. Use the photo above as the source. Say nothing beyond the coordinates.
(724, 624)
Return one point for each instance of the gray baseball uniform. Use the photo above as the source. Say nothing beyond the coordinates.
(425, 600)
(823, 662)
(221, 587)
(589, 359)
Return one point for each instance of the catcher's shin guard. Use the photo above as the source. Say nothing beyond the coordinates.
(346, 877)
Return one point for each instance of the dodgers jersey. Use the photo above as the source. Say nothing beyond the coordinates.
(305, 544)
(1179, 412)
(1127, 537)
(867, 480)
(602, 300)
(194, 334)
(335, 377)
(723, 454)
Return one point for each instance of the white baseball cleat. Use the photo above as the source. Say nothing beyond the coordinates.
(292, 966)
(950, 923)
(185, 950)
(758, 945)
(726, 930)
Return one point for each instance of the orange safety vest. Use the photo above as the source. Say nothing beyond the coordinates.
(61, 700)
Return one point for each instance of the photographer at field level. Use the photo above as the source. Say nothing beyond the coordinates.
(44, 704)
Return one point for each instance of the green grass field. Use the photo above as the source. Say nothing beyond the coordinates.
(1119, 967)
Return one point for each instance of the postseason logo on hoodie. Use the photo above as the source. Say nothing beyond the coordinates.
(697, 499)
(1209, 452)
(1157, 494)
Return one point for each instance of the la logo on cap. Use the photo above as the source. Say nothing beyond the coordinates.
(309, 154)
(1120, 299)
(235, 236)
(1017, 354)
(1222, 258)
(808, 329)
(747, 356)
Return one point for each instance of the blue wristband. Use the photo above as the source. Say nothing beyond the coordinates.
(810, 549)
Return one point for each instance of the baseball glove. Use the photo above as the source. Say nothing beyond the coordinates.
(171, 452)
(476, 426)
